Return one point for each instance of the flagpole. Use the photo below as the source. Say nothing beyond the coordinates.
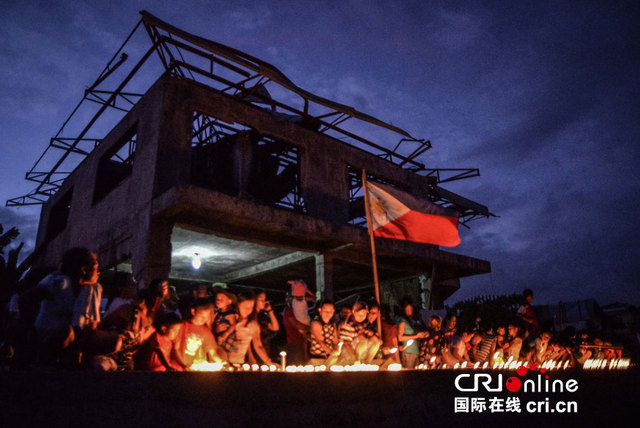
(376, 283)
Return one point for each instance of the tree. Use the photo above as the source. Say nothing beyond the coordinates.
(9, 272)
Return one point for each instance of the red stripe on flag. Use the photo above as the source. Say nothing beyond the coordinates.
(423, 228)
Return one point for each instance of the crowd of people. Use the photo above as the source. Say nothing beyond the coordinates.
(61, 322)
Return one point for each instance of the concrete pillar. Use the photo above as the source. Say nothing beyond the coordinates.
(323, 177)
(324, 276)
(151, 256)
(242, 158)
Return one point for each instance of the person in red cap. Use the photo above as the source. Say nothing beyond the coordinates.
(297, 321)
(301, 295)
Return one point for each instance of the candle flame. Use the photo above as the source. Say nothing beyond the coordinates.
(207, 367)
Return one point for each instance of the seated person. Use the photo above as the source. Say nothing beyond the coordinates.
(156, 353)
(501, 335)
(360, 344)
(372, 317)
(225, 313)
(86, 320)
(536, 354)
(450, 328)
(598, 351)
(245, 332)
(513, 343)
(268, 323)
(194, 342)
(134, 325)
(124, 289)
(555, 352)
(430, 347)
(132, 318)
(457, 350)
(55, 295)
(345, 312)
(584, 351)
(474, 351)
(324, 332)
(610, 353)
(185, 302)
(486, 348)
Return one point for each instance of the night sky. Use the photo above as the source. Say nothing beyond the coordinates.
(543, 98)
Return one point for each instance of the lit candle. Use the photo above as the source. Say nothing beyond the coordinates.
(283, 358)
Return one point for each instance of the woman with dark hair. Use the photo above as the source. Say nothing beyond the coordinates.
(409, 325)
(267, 321)
(324, 332)
(245, 332)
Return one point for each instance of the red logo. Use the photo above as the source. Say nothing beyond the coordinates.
(514, 384)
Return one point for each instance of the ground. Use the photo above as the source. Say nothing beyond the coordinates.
(283, 399)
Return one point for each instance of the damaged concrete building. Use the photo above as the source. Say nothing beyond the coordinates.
(223, 171)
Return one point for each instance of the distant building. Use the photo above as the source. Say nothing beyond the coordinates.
(579, 314)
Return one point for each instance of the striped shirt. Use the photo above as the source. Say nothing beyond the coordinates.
(485, 348)
(350, 330)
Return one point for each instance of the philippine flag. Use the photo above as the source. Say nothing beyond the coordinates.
(398, 215)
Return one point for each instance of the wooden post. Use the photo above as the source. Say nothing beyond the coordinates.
(376, 283)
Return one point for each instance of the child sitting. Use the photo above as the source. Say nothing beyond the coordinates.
(225, 312)
(155, 354)
(195, 342)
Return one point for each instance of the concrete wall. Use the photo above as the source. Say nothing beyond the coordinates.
(135, 219)
(117, 225)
